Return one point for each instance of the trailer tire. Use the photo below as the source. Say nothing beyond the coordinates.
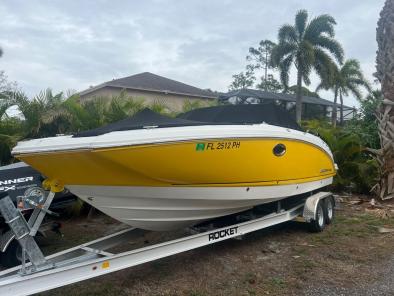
(12, 255)
(329, 212)
(318, 224)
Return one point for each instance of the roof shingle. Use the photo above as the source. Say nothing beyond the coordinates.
(152, 82)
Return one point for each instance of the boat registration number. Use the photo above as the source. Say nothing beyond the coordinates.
(218, 145)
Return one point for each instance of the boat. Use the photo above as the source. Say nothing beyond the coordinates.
(160, 173)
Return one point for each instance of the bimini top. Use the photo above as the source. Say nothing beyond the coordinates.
(268, 113)
(141, 120)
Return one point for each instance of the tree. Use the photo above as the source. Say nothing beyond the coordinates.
(73, 116)
(346, 79)
(270, 84)
(364, 121)
(307, 46)
(32, 111)
(6, 86)
(385, 74)
(304, 91)
(261, 57)
(243, 79)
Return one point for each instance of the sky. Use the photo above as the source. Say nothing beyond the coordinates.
(71, 45)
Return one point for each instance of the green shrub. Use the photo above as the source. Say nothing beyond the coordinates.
(358, 171)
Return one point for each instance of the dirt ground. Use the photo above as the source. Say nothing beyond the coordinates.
(351, 257)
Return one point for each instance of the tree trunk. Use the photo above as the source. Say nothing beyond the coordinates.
(334, 109)
(266, 70)
(341, 114)
(299, 97)
(385, 74)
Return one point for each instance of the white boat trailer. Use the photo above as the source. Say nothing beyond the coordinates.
(92, 259)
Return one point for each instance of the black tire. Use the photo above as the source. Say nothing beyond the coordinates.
(319, 223)
(329, 209)
(12, 255)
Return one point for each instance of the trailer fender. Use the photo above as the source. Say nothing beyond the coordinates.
(310, 206)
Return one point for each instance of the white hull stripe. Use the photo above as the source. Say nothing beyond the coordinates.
(167, 208)
(165, 135)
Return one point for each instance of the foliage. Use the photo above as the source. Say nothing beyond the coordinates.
(270, 84)
(190, 105)
(122, 106)
(304, 90)
(261, 55)
(358, 171)
(33, 111)
(48, 114)
(261, 59)
(243, 79)
(308, 44)
(159, 107)
(357, 168)
(364, 123)
(346, 79)
(10, 133)
(6, 85)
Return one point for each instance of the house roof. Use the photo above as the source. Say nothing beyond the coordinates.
(151, 82)
(259, 94)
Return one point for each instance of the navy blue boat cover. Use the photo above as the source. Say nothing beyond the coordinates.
(269, 113)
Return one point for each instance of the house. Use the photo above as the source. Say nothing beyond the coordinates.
(151, 88)
(313, 107)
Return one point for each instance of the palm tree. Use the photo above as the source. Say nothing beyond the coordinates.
(306, 45)
(33, 110)
(346, 79)
(72, 115)
(385, 74)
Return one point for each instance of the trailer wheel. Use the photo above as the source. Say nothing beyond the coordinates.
(329, 212)
(12, 255)
(318, 224)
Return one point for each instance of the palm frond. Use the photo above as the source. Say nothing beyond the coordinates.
(321, 24)
(300, 22)
(284, 69)
(305, 60)
(159, 107)
(351, 68)
(331, 45)
(191, 105)
(133, 105)
(355, 90)
(287, 33)
(281, 51)
(350, 78)
(322, 85)
(325, 68)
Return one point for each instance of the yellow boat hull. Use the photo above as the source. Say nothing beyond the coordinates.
(173, 184)
(207, 163)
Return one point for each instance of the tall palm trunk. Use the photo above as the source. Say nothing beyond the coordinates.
(334, 109)
(385, 74)
(299, 97)
(341, 108)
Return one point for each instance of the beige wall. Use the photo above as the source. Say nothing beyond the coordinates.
(173, 102)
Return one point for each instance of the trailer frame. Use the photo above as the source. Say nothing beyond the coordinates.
(92, 259)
